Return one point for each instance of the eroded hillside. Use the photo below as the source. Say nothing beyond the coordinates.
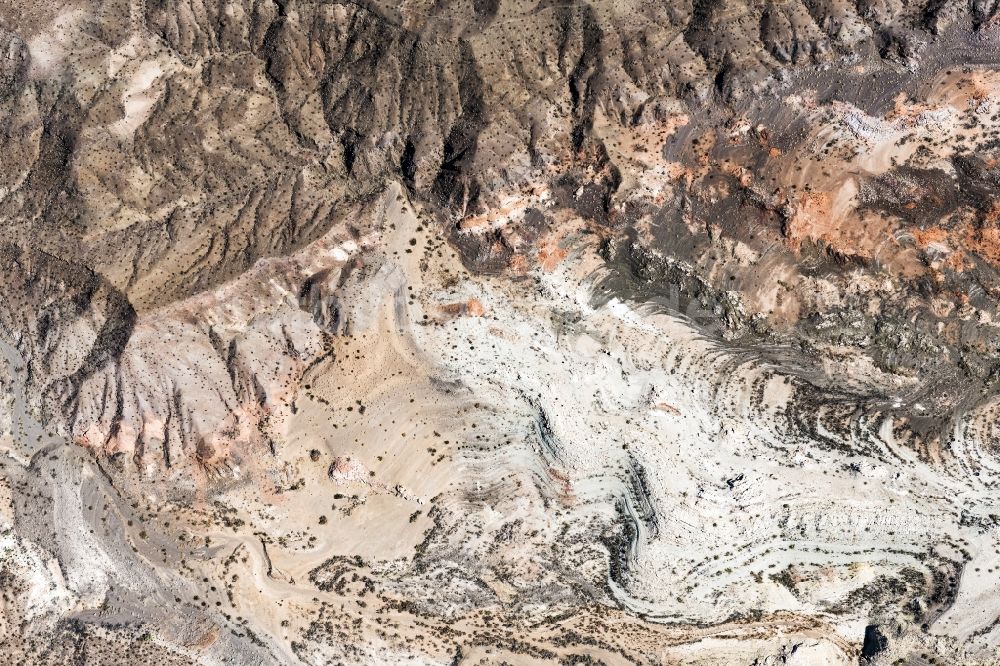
(499, 331)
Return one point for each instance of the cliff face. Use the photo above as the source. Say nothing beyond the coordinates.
(579, 280)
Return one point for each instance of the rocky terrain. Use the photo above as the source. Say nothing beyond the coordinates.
(499, 332)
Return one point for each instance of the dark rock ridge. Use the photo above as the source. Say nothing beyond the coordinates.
(161, 149)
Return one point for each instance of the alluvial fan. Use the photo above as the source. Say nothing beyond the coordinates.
(499, 332)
